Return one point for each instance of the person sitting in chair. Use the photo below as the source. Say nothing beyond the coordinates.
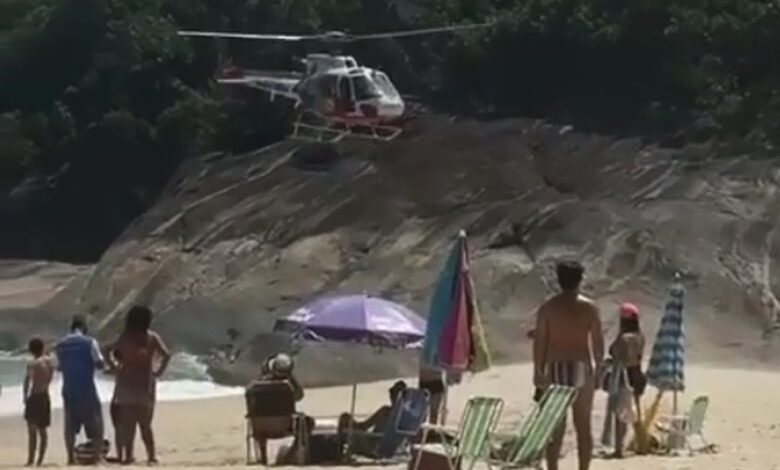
(271, 403)
(372, 427)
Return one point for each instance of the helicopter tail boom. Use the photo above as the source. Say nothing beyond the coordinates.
(272, 85)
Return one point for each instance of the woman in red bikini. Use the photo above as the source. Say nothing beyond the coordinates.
(136, 379)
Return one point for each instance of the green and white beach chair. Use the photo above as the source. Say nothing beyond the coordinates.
(693, 426)
(464, 446)
(525, 448)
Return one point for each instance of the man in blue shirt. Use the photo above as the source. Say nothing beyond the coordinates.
(78, 356)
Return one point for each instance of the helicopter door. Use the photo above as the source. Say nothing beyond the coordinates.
(346, 95)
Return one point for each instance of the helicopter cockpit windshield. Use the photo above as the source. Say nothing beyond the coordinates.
(364, 88)
(385, 85)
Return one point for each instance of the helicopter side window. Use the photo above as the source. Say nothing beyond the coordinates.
(327, 86)
(332, 85)
(345, 89)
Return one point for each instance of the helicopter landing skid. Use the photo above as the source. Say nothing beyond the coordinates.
(340, 129)
(369, 131)
(313, 133)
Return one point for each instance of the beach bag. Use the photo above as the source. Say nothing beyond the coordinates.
(605, 379)
(298, 452)
(84, 453)
(325, 448)
(625, 406)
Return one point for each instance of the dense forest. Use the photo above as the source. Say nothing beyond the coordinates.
(102, 100)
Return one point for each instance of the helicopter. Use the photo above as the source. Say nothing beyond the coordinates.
(334, 97)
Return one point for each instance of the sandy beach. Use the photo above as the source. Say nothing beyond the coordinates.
(743, 421)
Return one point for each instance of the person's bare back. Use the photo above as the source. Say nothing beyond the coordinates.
(567, 342)
(41, 372)
(568, 322)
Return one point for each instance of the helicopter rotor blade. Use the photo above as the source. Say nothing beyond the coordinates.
(334, 36)
(266, 37)
(415, 32)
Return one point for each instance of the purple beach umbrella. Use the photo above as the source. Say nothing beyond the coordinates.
(358, 319)
(355, 319)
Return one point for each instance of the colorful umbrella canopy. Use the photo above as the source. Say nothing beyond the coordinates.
(454, 338)
(355, 319)
(666, 369)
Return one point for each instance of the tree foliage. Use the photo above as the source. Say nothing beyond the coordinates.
(106, 92)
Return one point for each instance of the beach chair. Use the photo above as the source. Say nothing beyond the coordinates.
(270, 414)
(525, 448)
(406, 417)
(468, 443)
(693, 425)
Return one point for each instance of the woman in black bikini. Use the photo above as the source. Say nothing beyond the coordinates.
(627, 351)
(432, 380)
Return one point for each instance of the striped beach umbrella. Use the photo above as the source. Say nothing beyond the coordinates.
(454, 337)
(666, 370)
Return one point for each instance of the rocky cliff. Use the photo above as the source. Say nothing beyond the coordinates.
(237, 240)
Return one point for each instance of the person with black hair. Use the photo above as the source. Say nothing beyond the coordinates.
(375, 424)
(78, 356)
(132, 357)
(37, 404)
(568, 350)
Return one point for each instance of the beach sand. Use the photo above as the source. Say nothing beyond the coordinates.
(743, 421)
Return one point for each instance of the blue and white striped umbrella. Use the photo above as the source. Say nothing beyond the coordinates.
(667, 362)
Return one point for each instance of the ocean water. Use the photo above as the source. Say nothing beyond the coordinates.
(185, 379)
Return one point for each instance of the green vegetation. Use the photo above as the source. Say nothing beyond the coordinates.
(106, 95)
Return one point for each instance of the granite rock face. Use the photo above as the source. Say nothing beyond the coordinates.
(236, 241)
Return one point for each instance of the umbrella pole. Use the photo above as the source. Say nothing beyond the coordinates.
(351, 421)
(443, 411)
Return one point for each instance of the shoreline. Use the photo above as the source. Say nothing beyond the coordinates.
(167, 393)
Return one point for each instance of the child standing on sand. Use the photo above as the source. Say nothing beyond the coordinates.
(37, 406)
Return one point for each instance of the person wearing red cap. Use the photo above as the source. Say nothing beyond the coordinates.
(626, 352)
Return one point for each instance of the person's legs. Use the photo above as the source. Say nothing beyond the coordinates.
(145, 415)
(262, 443)
(620, 435)
(70, 428)
(435, 402)
(43, 443)
(93, 426)
(583, 407)
(32, 438)
(116, 422)
(554, 448)
(128, 421)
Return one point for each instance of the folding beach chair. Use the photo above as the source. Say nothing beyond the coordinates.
(693, 426)
(525, 448)
(469, 441)
(406, 417)
(270, 414)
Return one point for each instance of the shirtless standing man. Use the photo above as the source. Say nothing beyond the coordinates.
(37, 405)
(568, 347)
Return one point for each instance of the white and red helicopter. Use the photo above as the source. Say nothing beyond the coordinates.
(335, 97)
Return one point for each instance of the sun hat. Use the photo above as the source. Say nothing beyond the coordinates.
(280, 363)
